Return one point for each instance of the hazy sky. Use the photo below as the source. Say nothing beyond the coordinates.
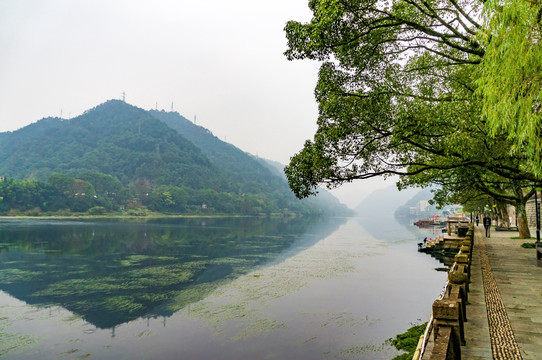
(218, 62)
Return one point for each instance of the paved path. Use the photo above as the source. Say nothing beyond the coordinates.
(505, 311)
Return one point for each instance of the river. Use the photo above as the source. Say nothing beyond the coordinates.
(211, 288)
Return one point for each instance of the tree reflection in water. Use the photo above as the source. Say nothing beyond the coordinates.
(112, 272)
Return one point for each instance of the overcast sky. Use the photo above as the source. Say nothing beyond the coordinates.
(217, 62)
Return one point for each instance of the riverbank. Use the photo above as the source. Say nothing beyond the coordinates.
(141, 217)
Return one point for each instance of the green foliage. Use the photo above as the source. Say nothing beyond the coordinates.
(408, 341)
(117, 156)
(397, 94)
(394, 92)
(511, 82)
(168, 199)
(115, 139)
(256, 188)
(110, 193)
(97, 210)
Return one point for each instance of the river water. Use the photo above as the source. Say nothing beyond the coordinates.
(227, 288)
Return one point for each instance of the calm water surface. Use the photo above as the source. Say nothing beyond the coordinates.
(211, 288)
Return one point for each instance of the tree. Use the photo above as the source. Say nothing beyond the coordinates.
(475, 189)
(167, 198)
(78, 195)
(385, 64)
(397, 94)
(21, 195)
(109, 190)
(511, 81)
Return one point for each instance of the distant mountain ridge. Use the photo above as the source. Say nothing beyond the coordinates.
(243, 167)
(113, 138)
(383, 203)
(258, 173)
(157, 149)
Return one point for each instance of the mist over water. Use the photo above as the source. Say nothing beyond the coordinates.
(230, 288)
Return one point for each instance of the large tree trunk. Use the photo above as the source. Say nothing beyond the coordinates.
(502, 210)
(523, 224)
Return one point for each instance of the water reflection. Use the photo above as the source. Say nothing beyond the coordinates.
(391, 229)
(112, 272)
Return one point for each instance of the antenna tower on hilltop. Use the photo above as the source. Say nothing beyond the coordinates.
(123, 96)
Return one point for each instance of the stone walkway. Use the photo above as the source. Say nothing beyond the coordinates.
(505, 311)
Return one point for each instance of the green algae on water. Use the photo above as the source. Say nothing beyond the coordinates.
(12, 342)
(108, 273)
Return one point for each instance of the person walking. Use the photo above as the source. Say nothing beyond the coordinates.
(487, 225)
(477, 219)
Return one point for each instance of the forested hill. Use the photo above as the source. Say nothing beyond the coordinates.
(241, 166)
(254, 173)
(113, 138)
(158, 161)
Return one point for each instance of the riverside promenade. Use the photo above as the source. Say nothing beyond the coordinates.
(505, 299)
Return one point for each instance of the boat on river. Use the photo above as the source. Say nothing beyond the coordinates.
(433, 221)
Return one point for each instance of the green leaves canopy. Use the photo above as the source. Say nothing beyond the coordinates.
(397, 95)
(511, 81)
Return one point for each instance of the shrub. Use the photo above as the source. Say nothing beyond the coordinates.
(97, 210)
(33, 212)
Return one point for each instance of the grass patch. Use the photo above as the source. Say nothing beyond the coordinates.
(528, 245)
(408, 341)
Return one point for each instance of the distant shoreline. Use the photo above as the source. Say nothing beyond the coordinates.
(144, 217)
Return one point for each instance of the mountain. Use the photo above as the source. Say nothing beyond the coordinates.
(258, 174)
(382, 203)
(244, 168)
(422, 195)
(113, 138)
(162, 159)
(275, 167)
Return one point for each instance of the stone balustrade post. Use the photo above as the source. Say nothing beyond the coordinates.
(448, 313)
(463, 258)
(447, 348)
(458, 287)
(467, 249)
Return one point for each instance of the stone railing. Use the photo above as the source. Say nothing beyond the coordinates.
(445, 332)
(456, 224)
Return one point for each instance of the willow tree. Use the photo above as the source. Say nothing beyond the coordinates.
(511, 74)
